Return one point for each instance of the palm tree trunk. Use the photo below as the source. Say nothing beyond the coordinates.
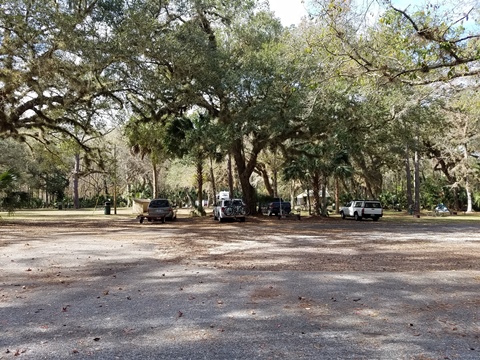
(200, 187)
(212, 179)
(324, 197)
(316, 194)
(337, 195)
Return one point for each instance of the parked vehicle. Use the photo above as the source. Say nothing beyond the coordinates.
(159, 209)
(441, 209)
(278, 204)
(229, 209)
(359, 209)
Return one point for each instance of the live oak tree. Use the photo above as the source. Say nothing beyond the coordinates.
(55, 68)
(264, 97)
(412, 46)
(454, 152)
(344, 113)
(158, 77)
(226, 59)
(417, 44)
(53, 60)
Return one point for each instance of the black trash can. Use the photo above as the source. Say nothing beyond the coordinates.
(107, 208)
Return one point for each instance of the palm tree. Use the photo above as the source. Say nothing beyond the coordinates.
(147, 139)
(193, 137)
(314, 164)
(7, 181)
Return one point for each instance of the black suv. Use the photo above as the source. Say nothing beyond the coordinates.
(274, 207)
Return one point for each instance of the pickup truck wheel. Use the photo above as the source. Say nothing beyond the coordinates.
(343, 215)
(357, 217)
(220, 219)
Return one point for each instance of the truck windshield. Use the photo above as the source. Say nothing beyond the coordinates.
(159, 203)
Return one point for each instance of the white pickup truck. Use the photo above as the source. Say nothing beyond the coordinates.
(359, 209)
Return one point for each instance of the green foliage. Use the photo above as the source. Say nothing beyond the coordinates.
(393, 199)
(56, 182)
(47, 75)
(435, 192)
(8, 199)
(7, 180)
(146, 138)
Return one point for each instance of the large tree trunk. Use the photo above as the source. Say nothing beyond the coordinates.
(245, 170)
(249, 193)
(230, 176)
(262, 170)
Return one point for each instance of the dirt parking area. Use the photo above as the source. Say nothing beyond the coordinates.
(108, 287)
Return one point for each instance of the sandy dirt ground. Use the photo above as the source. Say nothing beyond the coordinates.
(96, 286)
